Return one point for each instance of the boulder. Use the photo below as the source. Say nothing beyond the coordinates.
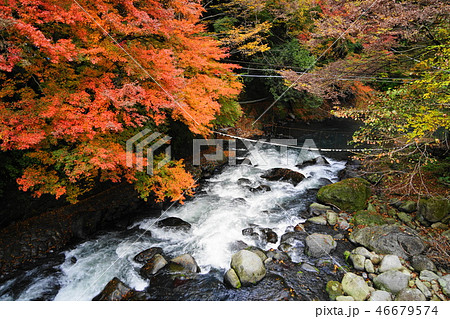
(380, 295)
(410, 294)
(350, 194)
(232, 279)
(445, 284)
(116, 290)
(187, 262)
(355, 286)
(156, 263)
(390, 262)
(248, 267)
(147, 254)
(257, 251)
(390, 239)
(173, 223)
(434, 209)
(392, 281)
(283, 174)
(421, 262)
(319, 245)
(334, 289)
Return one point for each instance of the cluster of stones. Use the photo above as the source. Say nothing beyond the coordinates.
(389, 277)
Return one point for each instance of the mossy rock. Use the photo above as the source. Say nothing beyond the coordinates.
(367, 218)
(434, 209)
(334, 289)
(350, 194)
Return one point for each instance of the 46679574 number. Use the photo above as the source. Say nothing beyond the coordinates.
(407, 310)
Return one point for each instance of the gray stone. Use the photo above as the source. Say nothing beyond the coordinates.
(257, 251)
(410, 294)
(318, 220)
(421, 286)
(248, 266)
(310, 268)
(428, 275)
(362, 251)
(156, 263)
(355, 286)
(380, 295)
(332, 217)
(390, 262)
(319, 245)
(318, 209)
(334, 289)
(345, 298)
(390, 239)
(445, 284)
(343, 224)
(232, 279)
(392, 281)
(421, 262)
(368, 266)
(358, 261)
(187, 262)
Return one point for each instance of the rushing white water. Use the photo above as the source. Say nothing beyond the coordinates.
(217, 220)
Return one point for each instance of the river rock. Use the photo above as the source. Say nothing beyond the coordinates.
(421, 262)
(248, 267)
(318, 220)
(355, 286)
(232, 279)
(173, 223)
(390, 239)
(410, 294)
(319, 245)
(358, 261)
(269, 235)
(362, 251)
(116, 290)
(187, 262)
(392, 281)
(147, 254)
(318, 209)
(345, 298)
(428, 275)
(390, 262)
(445, 284)
(423, 288)
(260, 189)
(332, 217)
(244, 182)
(283, 174)
(368, 266)
(380, 295)
(315, 161)
(334, 289)
(434, 209)
(350, 194)
(156, 263)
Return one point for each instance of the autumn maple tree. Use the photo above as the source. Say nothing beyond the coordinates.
(79, 78)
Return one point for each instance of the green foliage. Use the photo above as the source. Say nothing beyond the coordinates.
(230, 112)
